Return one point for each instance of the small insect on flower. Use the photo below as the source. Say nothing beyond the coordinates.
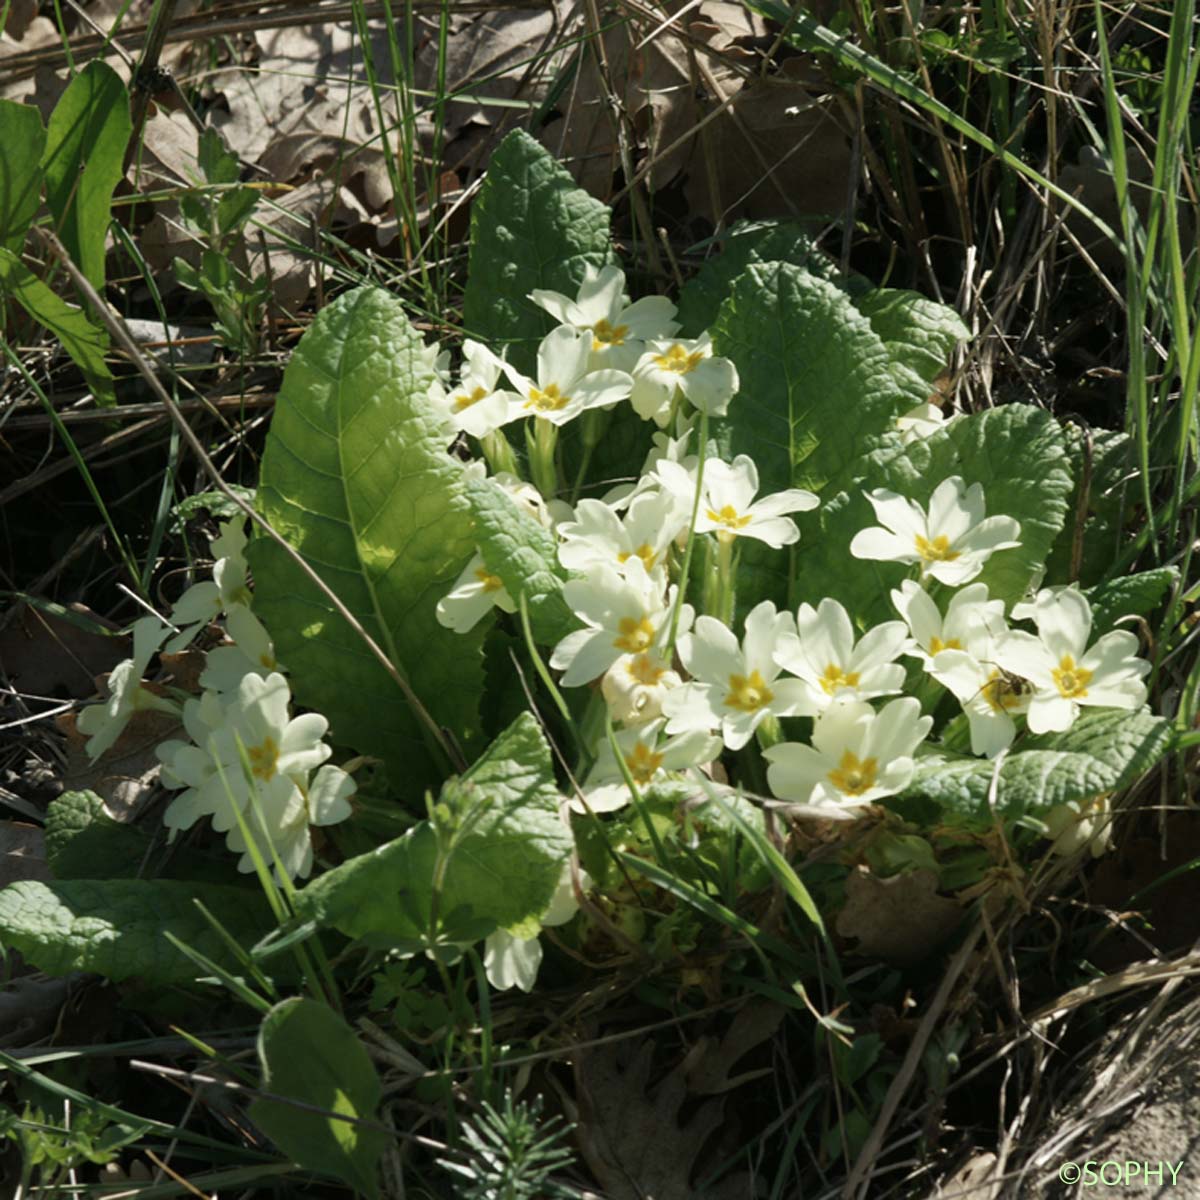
(1064, 671)
(990, 695)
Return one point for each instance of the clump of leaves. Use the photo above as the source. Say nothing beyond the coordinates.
(217, 212)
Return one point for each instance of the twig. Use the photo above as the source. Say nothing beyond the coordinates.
(121, 335)
(141, 84)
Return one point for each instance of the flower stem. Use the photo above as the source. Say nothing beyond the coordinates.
(499, 453)
(542, 442)
(584, 463)
(725, 576)
(691, 542)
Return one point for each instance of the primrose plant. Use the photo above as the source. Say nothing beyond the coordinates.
(658, 580)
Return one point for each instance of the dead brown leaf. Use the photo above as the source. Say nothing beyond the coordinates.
(306, 102)
(900, 920)
(21, 14)
(22, 853)
(44, 654)
(184, 668)
(635, 1136)
(710, 1061)
(124, 776)
(778, 151)
(489, 56)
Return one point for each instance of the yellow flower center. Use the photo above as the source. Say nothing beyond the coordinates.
(635, 636)
(643, 669)
(1003, 691)
(853, 775)
(645, 552)
(835, 678)
(462, 400)
(605, 334)
(263, 759)
(643, 763)
(937, 550)
(936, 645)
(748, 693)
(491, 583)
(266, 659)
(550, 400)
(677, 359)
(1072, 680)
(729, 517)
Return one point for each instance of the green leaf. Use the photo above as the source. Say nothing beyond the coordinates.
(817, 391)
(217, 213)
(531, 227)
(24, 140)
(310, 1055)
(85, 148)
(1112, 505)
(700, 299)
(524, 555)
(355, 475)
(1016, 452)
(502, 873)
(84, 842)
(918, 332)
(218, 505)
(115, 927)
(814, 382)
(1134, 595)
(83, 341)
(1104, 751)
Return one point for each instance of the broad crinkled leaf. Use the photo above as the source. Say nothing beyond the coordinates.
(816, 392)
(524, 555)
(85, 148)
(84, 342)
(701, 297)
(309, 1054)
(531, 227)
(83, 841)
(1108, 473)
(503, 873)
(1016, 452)
(1134, 595)
(919, 333)
(1103, 751)
(24, 140)
(815, 389)
(356, 477)
(115, 927)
